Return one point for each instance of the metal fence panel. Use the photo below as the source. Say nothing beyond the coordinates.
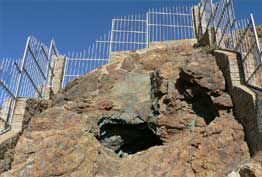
(131, 32)
(80, 63)
(8, 82)
(24, 78)
(170, 23)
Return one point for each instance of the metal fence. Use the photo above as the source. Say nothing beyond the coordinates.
(248, 45)
(235, 35)
(170, 23)
(29, 76)
(25, 77)
(80, 63)
(131, 32)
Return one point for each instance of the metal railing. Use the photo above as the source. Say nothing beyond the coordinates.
(25, 77)
(170, 23)
(235, 35)
(128, 33)
(248, 45)
(80, 63)
(131, 32)
(29, 76)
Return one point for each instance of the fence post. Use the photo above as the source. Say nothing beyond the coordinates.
(50, 72)
(59, 73)
(231, 21)
(197, 21)
(111, 39)
(147, 29)
(255, 33)
(211, 24)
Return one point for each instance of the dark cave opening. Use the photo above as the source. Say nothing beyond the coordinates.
(127, 139)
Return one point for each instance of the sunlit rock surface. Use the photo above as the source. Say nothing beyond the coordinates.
(161, 112)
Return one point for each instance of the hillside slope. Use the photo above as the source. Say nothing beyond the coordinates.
(157, 112)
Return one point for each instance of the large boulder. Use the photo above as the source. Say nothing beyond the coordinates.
(163, 111)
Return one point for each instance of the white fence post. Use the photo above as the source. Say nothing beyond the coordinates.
(147, 29)
(255, 33)
(111, 38)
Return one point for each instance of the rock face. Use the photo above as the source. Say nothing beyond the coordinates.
(250, 168)
(163, 111)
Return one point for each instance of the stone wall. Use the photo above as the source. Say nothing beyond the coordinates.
(24, 111)
(247, 102)
(9, 139)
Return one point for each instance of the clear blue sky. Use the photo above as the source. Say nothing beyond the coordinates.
(75, 24)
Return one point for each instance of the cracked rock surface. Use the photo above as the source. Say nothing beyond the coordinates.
(161, 112)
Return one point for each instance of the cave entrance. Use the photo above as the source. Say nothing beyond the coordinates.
(127, 139)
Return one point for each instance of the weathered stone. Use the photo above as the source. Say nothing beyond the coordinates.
(162, 111)
(251, 168)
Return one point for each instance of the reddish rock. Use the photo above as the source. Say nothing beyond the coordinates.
(160, 112)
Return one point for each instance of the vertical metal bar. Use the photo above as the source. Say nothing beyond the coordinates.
(133, 35)
(92, 56)
(151, 27)
(111, 39)
(255, 33)
(147, 29)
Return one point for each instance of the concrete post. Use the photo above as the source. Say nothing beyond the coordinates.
(204, 36)
(5, 110)
(47, 90)
(59, 74)
(247, 101)
(19, 112)
(196, 18)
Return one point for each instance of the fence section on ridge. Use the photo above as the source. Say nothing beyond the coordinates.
(131, 32)
(235, 35)
(8, 83)
(248, 45)
(29, 76)
(25, 77)
(80, 63)
(170, 23)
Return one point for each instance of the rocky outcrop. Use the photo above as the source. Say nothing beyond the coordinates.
(157, 112)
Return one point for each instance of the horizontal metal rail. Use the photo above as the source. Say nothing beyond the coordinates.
(127, 31)
(167, 13)
(174, 26)
(87, 59)
(128, 20)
